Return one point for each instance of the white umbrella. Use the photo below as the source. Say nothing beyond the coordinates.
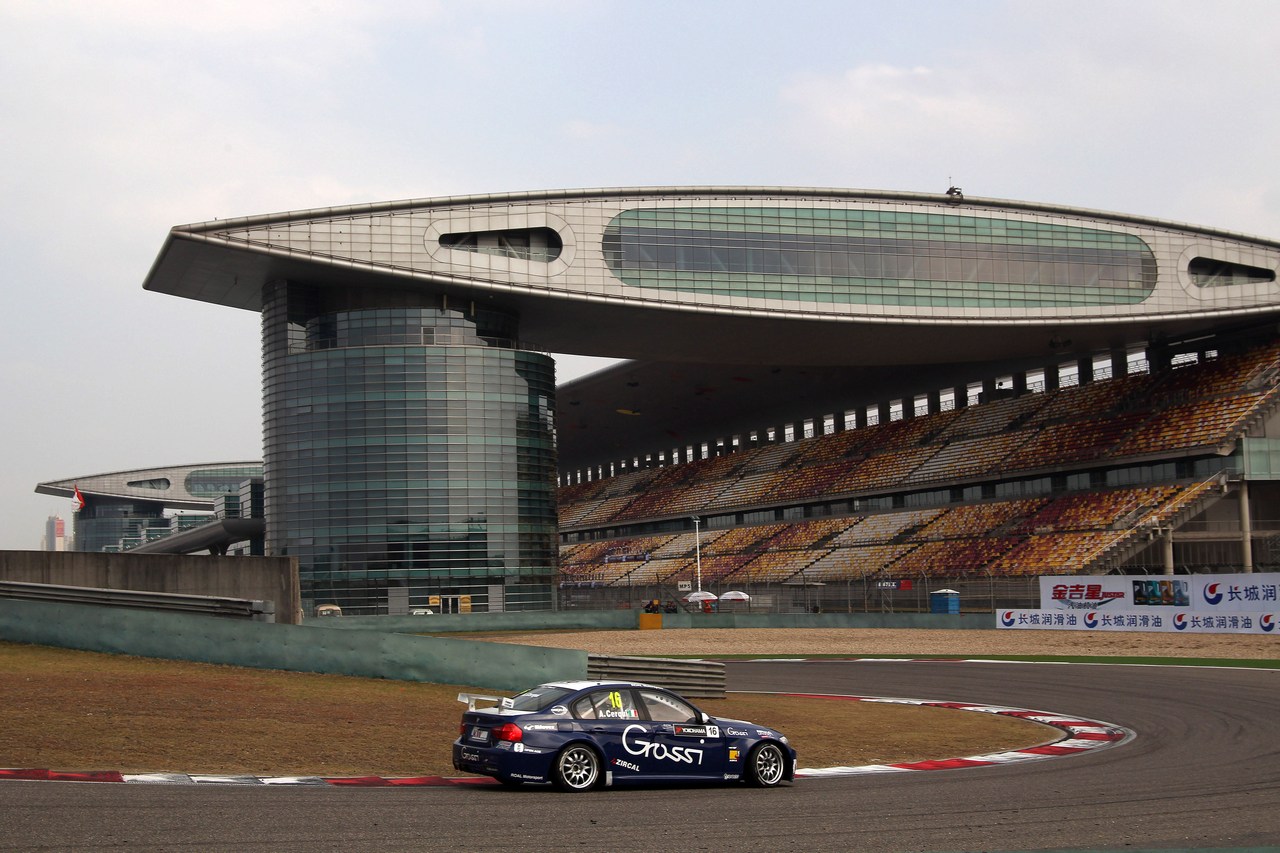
(700, 595)
(735, 595)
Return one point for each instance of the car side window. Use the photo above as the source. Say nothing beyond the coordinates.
(607, 705)
(665, 708)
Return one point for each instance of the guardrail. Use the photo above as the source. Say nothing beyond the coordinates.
(703, 679)
(236, 608)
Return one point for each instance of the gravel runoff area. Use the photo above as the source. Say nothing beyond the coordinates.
(869, 642)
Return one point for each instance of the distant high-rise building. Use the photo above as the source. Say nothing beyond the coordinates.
(124, 509)
(55, 534)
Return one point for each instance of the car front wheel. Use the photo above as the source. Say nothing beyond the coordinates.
(576, 768)
(766, 766)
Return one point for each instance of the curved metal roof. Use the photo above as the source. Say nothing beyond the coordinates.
(175, 486)
(577, 303)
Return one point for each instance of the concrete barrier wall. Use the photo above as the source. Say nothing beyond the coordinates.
(605, 620)
(272, 579)
(262, 645)
(449, 623)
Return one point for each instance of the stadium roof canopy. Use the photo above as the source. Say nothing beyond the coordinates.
(735, 301)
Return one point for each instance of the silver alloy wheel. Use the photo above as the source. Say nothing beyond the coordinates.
(767, 766)
(577, 768)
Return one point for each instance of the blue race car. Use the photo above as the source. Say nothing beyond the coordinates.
(580, 735)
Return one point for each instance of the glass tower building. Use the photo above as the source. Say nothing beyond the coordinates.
(409, 452)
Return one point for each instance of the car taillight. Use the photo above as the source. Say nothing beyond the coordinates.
(508, 731)
(462, 727)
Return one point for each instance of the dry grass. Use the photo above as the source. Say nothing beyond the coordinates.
(73, 710)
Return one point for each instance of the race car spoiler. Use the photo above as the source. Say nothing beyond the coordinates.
(470, 700)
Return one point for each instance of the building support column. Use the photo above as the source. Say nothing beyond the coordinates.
(1085, 368)
(1052, 377)
(1119, 363)
(1246, 529)
(1168, 551)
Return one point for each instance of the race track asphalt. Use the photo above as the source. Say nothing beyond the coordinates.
(1202, 773)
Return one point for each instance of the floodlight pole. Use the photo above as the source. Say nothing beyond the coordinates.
(698, 550)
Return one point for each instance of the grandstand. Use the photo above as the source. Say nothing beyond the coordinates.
(986, 495)
(880, 359)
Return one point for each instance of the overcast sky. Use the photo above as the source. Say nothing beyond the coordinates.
(119, 120)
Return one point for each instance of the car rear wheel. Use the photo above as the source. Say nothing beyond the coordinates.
(766, 766)
(576, 768)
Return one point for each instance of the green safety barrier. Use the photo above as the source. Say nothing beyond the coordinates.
(263, 645)
(626, 620)
(451, 623)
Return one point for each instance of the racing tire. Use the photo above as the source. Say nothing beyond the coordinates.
(766, 766)
(576, 768)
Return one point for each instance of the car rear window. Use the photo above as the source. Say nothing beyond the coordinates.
(538, 698)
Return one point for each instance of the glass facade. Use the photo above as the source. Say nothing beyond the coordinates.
(105, 523)
(1262, 458)
(878, 257)
(211, 482)
(409, 452)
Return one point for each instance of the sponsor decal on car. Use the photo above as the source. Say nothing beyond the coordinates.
(729, 777)
(626, 765)
(698, 731)
(560, 711)
(539, 727)
(735, 733)
(733, 755)
(763, 733)
(660, 751)
(470, 755)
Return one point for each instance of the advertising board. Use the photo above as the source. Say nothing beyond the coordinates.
(1197, 604)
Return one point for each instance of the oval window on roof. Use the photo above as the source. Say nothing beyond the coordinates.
(157, 483)
(528, 244)
(1206, 272)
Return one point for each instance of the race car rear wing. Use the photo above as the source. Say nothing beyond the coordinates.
(470, 700)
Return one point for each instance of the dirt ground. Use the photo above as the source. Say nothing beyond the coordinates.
(80, 710)
(73, 710)
(869, 642)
